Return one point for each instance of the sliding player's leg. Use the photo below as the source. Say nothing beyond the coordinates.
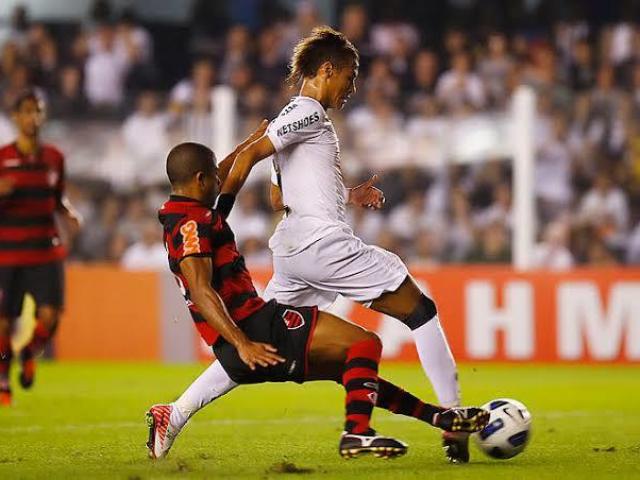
(165, 421)
(285, 328)
(334, 341)
(457, 419)
(348, 354)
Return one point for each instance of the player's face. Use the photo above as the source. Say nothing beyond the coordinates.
(29, 117)
(344, 85)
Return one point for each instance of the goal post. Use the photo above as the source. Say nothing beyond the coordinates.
(524, 220)
(223, 116)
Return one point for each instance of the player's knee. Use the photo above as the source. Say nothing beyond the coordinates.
(424, 311)
(374, 339)
(49, 316)
(373, 342)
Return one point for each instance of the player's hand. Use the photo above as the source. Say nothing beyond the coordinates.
(258, 354)
(6, 186)
(73, 222)
(366, 195)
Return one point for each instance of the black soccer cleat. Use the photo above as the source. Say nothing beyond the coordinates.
(28, 373)
(456, 446)
(353, 445)
(457, 424)
(462, 419)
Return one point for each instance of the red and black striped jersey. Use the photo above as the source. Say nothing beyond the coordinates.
(28, 235)
(192, 229)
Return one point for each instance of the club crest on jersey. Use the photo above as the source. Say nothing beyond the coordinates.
(292, 319)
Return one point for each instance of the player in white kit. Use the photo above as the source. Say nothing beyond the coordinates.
(316, 255)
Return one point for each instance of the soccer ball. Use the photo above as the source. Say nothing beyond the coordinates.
(508, 430)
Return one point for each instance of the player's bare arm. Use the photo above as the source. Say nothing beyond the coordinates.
(71, 217)
(225, 165)
(197, 272)
(275, 198)
(244, 162)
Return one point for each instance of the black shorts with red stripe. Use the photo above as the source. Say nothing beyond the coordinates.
(288, 329)
(44, 282)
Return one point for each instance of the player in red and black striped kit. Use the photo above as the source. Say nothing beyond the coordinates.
(31, 253)
(256, 341)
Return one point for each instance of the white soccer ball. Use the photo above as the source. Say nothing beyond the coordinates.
(508, 431)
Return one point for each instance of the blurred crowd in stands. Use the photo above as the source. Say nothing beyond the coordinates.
(431, 117)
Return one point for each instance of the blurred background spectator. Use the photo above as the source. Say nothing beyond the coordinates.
(431, 117)
(148, 253)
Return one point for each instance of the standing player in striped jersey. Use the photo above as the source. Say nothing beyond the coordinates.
(31, 253)
(256, 341)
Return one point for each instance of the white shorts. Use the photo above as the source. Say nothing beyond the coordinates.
(340, 263)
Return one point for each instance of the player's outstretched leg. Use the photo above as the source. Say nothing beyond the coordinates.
(344, 352)
(47, 318)
(409, 305)
(5, 361)
(456, 419)
(166, 421)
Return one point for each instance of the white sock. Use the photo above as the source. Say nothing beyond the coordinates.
(211, 384)
(438, 362)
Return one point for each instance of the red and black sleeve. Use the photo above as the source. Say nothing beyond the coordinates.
(225, 204)
(192, 236)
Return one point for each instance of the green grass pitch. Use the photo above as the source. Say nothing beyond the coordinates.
(86, 421)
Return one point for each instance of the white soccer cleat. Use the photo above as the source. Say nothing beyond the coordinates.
(162, 433)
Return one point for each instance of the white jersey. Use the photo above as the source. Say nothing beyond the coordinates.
(306, 166)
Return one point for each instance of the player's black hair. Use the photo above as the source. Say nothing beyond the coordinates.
(323, 44)
(186, 159)
(27, 94)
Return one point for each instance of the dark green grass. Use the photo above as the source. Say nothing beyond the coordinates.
(86, 421)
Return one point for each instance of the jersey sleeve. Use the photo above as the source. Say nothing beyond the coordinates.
(298, 122)
(192, 237)
(224, 204)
